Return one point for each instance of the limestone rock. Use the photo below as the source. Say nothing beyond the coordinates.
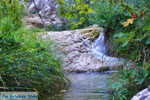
(47, 9)
(36, 21)
(143, 95)
(77, 57)
(91, 32)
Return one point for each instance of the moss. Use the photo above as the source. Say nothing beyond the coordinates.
(96, 34)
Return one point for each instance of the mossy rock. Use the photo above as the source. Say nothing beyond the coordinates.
(91, 32)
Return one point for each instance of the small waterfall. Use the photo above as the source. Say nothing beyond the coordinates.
(99, 46)
(99, 50)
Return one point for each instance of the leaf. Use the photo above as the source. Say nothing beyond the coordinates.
(74, 26)
(129, 21)
(147, 41)
(79, 23)
(82, 19)
(120, 34)
(78, 7)
(63, 2)
(125, 43)
(90, 10)
(78, 1)
(81, 12)
(141, 76)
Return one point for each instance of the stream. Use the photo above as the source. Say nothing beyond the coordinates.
(92, 85)
(86, 86)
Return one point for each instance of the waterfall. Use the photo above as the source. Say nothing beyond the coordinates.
(99, 46)
(99, 50)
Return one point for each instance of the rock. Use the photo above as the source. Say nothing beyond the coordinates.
(149, 88)
(91, 32)
(36, 21)
(143, 95)
(47, 9)
(77, 57)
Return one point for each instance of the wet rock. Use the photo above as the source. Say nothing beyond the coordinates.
(77, 57)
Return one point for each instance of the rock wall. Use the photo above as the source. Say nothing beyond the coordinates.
(46, 8)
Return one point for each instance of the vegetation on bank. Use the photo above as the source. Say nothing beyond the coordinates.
(127, 26)
(27, 63)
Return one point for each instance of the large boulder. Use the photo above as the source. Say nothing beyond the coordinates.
(143, 95)
(77, 56)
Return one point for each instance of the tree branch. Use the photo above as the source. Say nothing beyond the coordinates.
(39, 14)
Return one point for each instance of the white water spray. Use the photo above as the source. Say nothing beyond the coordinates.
(99, 50)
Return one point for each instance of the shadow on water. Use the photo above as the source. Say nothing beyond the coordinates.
(86, 86)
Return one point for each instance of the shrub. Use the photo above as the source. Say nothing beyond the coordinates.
(109, 14)
(127, 25)
(133, 42)
(27, 62)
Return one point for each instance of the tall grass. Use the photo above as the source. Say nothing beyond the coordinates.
(27, 62)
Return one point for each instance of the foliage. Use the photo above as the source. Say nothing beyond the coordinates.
(127, 25)
(108, 14)
(76, 11)
(133, 42)
(26, 61)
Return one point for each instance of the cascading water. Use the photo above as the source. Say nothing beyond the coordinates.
(99, 50)
(99, 46)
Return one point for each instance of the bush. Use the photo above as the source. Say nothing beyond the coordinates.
(133, 42)
(109, 15)
(26, 61)
(76, 11)
(127, 27)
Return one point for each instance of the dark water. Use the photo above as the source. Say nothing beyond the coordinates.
(86, 86)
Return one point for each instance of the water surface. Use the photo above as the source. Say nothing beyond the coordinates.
(86, 86)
